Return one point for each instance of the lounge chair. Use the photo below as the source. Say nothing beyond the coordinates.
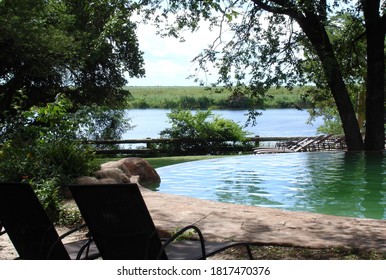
(122, 228)
(31, 231)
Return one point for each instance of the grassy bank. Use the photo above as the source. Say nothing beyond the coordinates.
(201, 98)
(160, 161)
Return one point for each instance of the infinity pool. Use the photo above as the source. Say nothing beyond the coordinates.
(337, 183)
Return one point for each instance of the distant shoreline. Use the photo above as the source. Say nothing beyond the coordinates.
(199, 97)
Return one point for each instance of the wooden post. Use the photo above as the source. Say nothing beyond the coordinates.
(148, 143)
(257, 141)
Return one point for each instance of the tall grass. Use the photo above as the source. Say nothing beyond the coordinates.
(201, 98)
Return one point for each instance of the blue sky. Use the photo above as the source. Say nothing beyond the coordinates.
(168, 62)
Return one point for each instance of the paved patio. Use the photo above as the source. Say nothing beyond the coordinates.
(224, 221)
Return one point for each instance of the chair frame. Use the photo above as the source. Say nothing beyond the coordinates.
(31, 231)
(108, 206)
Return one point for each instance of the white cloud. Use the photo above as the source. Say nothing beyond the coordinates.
(168, 62)
(165, 72)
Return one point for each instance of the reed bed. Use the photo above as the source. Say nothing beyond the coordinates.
(202, 98)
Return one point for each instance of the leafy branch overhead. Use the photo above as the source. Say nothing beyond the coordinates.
(84, 49)
(336, 45)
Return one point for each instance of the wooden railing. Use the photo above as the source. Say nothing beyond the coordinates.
(149, 149)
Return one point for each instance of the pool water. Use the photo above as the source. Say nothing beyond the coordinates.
(338, 183)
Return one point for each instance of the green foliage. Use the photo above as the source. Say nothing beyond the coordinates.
(48, 194)
(331, 126)
(44, 151)
(186, 235)
(174, 97)
(202, 132)
(352, 59)
(31, 44)
(82, 48)
(203, 98)
(102, 123)
(106, 50)
(70, 217)
(262, 44)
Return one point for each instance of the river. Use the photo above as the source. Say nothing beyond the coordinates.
(272, 122)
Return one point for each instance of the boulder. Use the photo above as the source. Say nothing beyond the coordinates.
(127, 170)
(113, 173)
(86, 180)
(141, 168)
(116, 164)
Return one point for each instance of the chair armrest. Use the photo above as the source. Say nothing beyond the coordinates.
(86, 246)
(71, 231)
(77, 228)
(180, 232)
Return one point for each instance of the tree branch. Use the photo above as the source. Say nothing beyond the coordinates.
(284, 7)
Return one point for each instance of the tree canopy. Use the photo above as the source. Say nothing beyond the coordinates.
(84, 48)
(293, 42)
(81, 48)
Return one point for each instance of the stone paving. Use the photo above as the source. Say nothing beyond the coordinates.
(225, 221)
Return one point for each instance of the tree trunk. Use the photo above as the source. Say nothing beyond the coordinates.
(317, 35)
(375, 34)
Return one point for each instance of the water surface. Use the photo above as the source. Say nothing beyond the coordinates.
(272, 122)
(337, 183)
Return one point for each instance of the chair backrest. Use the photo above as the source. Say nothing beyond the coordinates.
(118, 220)
(27, 224)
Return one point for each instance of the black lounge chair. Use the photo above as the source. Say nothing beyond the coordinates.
(32, 232)
(122, 228)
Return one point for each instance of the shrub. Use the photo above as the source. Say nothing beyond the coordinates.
(45, 152)
(201, 133)
(70, 217)
(101, 123)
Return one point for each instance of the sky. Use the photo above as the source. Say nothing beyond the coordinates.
(168, 62)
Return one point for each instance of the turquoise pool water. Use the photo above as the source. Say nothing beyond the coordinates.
(337, 183)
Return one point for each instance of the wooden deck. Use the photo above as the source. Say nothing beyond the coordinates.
(309, 144)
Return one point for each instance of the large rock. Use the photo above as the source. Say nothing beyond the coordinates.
(116, 165)
(132, 169)
(127, 170)
(141, 168)
(113, 173)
